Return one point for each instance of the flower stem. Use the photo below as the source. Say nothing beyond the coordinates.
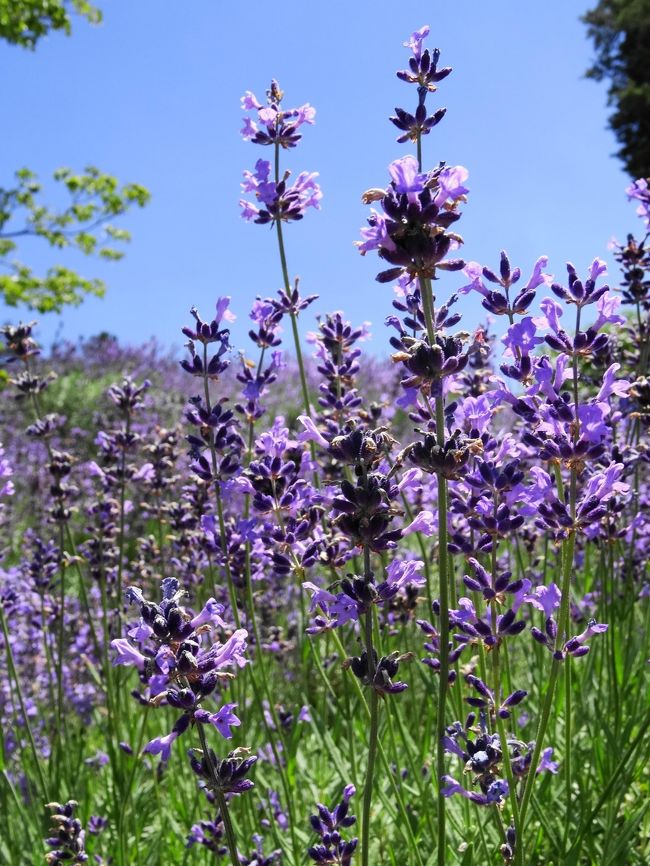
(287, 288)
(406, 824)
(14, 675)
(121, 530)
(217, 493)
(37, 412)
(367, 794)
(301, 363)
(221, 800)
(60, 647)
(227, 823)
(257, 694)
(567, 663)
(294, 327)
(504, 740)
(550, 692)
(443, 571)
(567, 746)
(129, 787)
(374, 720)
(444, 661)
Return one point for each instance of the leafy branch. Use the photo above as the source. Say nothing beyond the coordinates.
(85, 224)
(24, 22)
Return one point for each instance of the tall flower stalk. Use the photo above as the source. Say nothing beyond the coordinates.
(373, 733)
(279, 202)
(212, 422)
(443, 581)
(176, 667)
(411, 235)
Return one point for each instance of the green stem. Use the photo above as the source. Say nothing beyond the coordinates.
(374, 722)
(588, 824)
(276, 727)
(14, 675)
(567, 747)
(271, 706)
(406, 823)
(60, 651)
(221, 801)
(217, 494)
(48, 652)
(443, 570)
(227, 823)
(416, 773)
(161, 534)
(512, 782)
(367, 794)
(301, 363)
(127, 794)
(567, 668)
(444, 663)
(294, 317)
(496, 672)
(550, 692)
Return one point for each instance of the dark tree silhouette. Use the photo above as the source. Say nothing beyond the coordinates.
(620, 30)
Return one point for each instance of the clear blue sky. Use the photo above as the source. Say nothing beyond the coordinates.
(152, 95)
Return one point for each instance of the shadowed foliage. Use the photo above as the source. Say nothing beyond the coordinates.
(620, 30)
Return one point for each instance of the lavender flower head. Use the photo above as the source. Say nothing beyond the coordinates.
(206, 333)
(228, 776)
(423, 65)
(423, 71)
(67, 837)
(276, 200)
(175, 663)
(638, 190)
(6, 484)
(333, 848)
(274, 124)
(418, 208)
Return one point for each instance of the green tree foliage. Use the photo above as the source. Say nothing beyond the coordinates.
(620, 30)
(24, 22)
(94, 200)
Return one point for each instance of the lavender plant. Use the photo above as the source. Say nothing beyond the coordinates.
(430, 580)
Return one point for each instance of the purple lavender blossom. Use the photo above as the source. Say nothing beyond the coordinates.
(418, 208)
(274, 124)
(423, 65)
(638, 191)
(576, 646)
(546, 764)
(332, 847)
(175, 663)
(68, 838)
(278, 200)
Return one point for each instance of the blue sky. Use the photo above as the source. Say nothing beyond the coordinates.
(152, 95)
